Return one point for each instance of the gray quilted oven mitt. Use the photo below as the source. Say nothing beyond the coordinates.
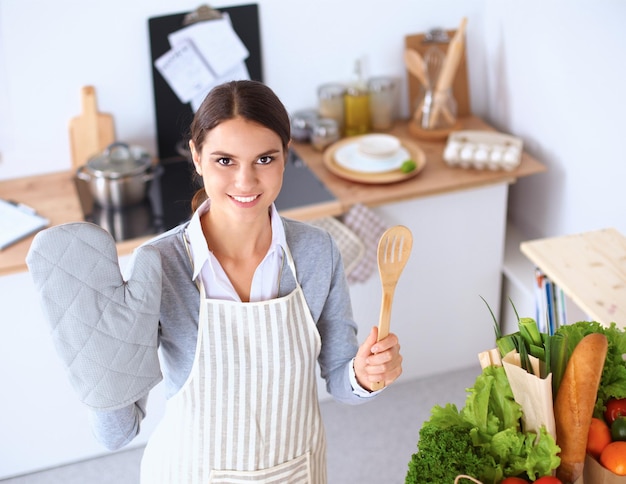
(103, 327)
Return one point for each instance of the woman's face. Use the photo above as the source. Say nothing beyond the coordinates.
(242, 165)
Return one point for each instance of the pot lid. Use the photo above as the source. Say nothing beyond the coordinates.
(120, 159)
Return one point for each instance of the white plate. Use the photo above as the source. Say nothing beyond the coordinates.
(350, 157)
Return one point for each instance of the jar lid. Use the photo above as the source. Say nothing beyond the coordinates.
(331, 91)
(325, 127)
(301, 124)
(118, 160)
(357, 90)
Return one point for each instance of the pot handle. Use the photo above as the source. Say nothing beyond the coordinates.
(152, 173)
(117, 145)
(82, 174)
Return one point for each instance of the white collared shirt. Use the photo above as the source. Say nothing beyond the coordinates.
(216, 283)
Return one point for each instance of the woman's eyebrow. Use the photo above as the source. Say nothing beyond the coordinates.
(225, 154)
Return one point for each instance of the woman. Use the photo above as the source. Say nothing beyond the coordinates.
(249, 302)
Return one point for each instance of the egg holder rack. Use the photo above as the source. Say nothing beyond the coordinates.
(483, 150)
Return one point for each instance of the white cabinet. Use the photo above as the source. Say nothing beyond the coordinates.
(42, 423)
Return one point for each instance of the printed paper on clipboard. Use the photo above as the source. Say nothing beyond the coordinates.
(17, 222)
(185, 71)
(202, 56)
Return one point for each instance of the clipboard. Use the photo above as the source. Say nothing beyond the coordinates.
(18, 221)
(173, 117)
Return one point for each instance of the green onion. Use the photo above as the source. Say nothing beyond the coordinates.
(559, 355)
(530, 332)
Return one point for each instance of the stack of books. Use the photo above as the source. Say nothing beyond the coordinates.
(550, 302)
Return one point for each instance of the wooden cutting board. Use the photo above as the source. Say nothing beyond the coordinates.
(90, 132)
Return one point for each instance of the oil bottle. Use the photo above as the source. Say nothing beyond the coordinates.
(357, 105)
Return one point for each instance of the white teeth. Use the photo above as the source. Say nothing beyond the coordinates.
(245, 199)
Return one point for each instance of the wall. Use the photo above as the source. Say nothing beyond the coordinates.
(51, 50)
(552, 73)
(555, 77)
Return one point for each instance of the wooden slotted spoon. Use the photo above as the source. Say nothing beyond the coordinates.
(394, 249)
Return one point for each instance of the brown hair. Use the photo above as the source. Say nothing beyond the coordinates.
(251, 100)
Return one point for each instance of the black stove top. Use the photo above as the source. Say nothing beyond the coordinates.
(168, 203)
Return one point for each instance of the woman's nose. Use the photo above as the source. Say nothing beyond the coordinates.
(246, 176)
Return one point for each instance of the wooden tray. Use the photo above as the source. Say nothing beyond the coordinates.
(393, 176)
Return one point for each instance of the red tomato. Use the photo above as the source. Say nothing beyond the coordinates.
(614, 408)
(514, 480)
(548, 480)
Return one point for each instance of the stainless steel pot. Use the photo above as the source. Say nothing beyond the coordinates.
(120, 176)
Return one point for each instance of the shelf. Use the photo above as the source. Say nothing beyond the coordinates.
(590, 268)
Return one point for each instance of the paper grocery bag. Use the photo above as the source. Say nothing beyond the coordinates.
(532, 393)
(594, 473)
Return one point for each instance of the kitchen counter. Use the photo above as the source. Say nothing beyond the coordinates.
(436, 177)
(54, 195)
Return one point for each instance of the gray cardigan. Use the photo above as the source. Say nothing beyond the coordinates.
(321, 275)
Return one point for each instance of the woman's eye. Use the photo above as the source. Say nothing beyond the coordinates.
(265, 160)
(224, 161)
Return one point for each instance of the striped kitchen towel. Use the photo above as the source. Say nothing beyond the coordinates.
(350, 246)
(369, 227)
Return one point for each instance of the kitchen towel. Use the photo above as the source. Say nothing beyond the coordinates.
(369, 227)
(350, 246)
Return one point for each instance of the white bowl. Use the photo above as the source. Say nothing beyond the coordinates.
(379, 145)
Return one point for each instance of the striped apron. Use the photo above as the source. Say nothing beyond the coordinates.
(248, 411)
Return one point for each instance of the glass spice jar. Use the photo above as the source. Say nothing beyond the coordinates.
(324, 132)
(330, 102)
(301, 122)
(383, 102)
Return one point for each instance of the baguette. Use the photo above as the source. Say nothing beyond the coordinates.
(575, 400)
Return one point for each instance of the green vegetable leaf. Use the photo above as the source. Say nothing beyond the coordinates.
(477, 409)
(490, 406)
(445, 453)
(448, 416)
(536, 456)
(483, 439)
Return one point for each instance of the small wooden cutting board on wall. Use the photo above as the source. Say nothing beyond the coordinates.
(90, 132)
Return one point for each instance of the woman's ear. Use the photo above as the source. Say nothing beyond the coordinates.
(195, 157)
(287, 148)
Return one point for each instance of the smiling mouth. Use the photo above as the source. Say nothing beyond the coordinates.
(245, 199)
